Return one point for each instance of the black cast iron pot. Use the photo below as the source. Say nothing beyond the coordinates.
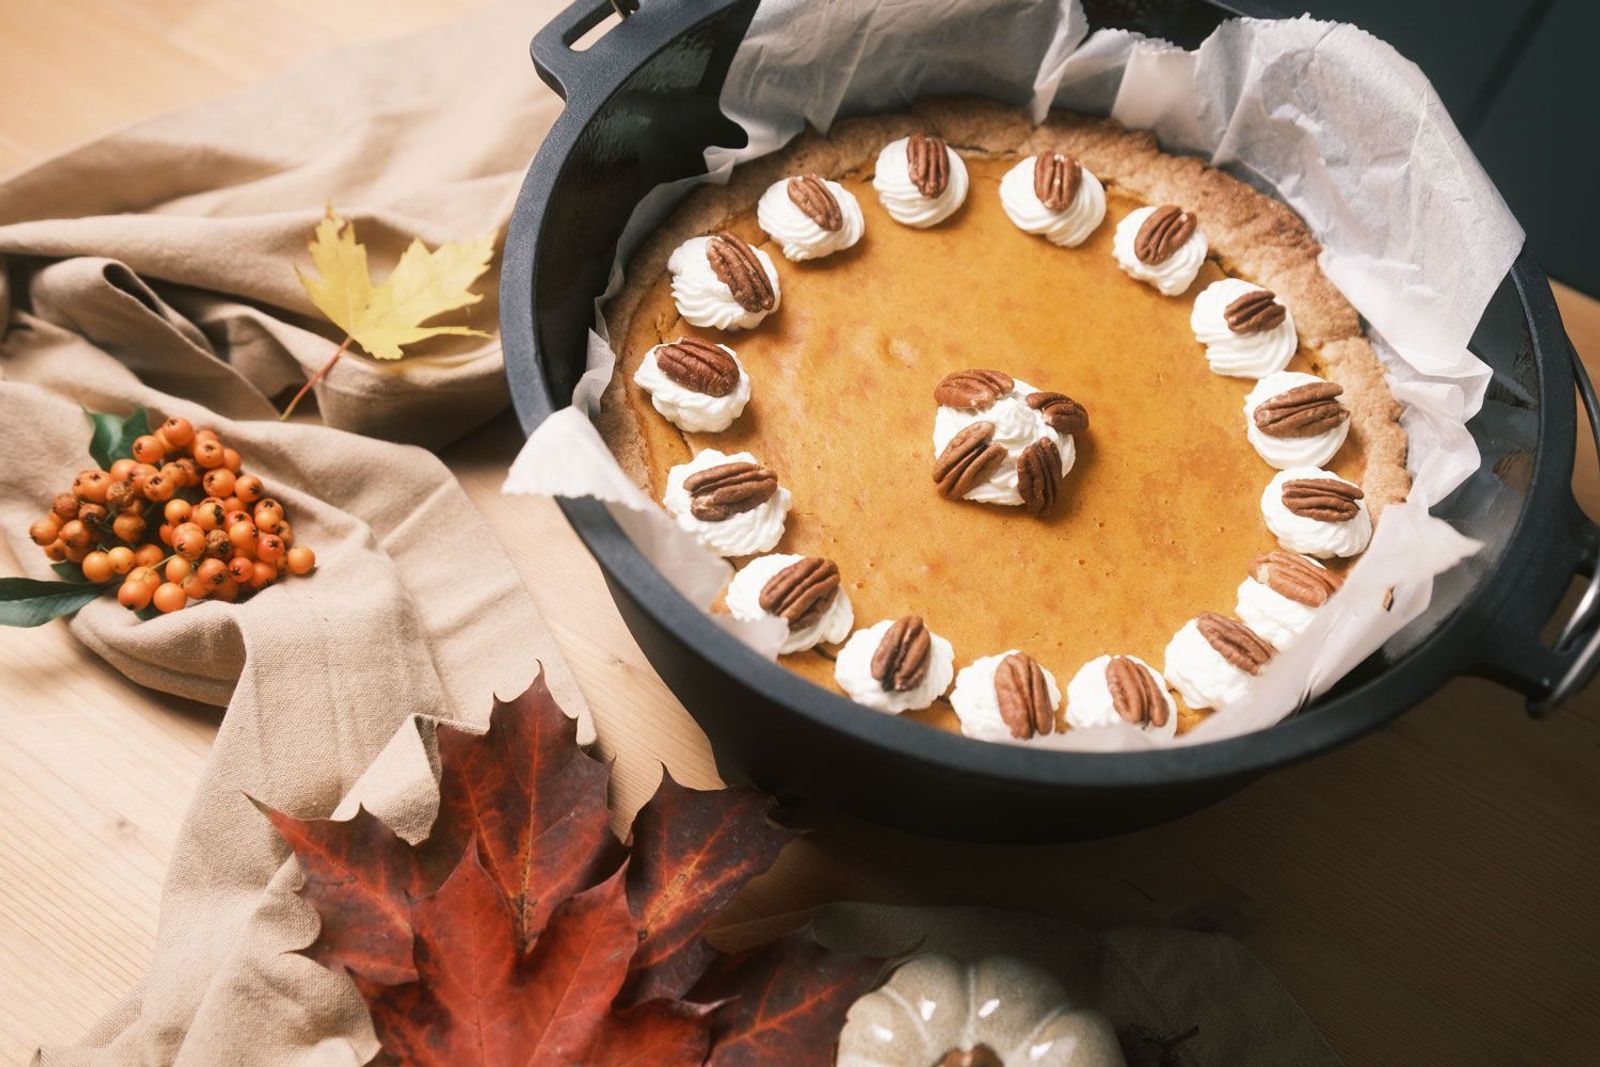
(641, 107)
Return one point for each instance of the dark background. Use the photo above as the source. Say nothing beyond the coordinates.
(1522, 81)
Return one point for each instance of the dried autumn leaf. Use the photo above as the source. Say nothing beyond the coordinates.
(423, 285)
(785, 1002)
(532, 800)
(527, 953)
(360, 877)
(478, 1000)
(692, 853)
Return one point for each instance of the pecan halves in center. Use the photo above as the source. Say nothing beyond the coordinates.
(802, 592)
(1254, 312)
(1136, 696)
(1235, 642)
(699, 365)
(720, 492)
(968, 458)
(972, 390)
(736, 265)
(813, 197)
(1038, 476)
(928, 163)
(901, 660)
(1055, 180)
(1304, 411)
(1064, 414)
(1323, 499)
(1024, 696)
(1162, 233)
(1291, 575)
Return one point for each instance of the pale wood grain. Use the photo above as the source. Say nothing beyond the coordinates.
(1426, 893)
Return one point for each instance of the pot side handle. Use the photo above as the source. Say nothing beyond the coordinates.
(597, 71)
(553, 57)
(1512, 650)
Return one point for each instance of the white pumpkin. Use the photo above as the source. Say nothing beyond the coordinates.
(935, 1011)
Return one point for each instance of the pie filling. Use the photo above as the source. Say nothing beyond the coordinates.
(1000, 466)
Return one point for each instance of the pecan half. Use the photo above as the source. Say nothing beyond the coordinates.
(928, 163)
(802, 591)
(901, 661)
(720, 492)
(699, 365)
(1292, 575)
(1324, 499)
(968, 458)
(812, 196)
(1023, 696)
(1064, 414)
(972, 390)
(976, 1056)
(1163, 232)
(1135, 694)
(735, 264)
(1235, 642)
(1056, 179)
(1254, 312)
(1304, 411)
(1038, 474)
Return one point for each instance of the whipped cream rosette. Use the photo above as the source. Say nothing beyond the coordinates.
(1213, 661)
(1161, 245)
(810, 217)
(1281, 595)
(1006, 697)
(1248, 332)
(998, 440)
(804, 591)
(696, 385)
(722, 283)
(895, 665)
(1121, 691)
(733, 504)
(1054, 196)
(1317, 513)
(920, 180)
(1296, 420)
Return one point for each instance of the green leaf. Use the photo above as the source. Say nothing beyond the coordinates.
(70, 572)
(114, 435)
(29, 602)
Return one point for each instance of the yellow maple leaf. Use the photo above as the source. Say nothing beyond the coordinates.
(423, 285)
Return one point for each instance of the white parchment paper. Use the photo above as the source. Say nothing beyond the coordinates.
(1321, 115)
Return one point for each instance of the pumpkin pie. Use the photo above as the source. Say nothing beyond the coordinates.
(1021, 428)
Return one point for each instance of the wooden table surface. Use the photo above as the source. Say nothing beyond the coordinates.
(1428, 894)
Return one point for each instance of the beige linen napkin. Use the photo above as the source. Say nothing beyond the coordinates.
(427, 136)
(153, 268)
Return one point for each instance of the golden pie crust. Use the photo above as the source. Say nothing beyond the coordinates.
(1160, 517)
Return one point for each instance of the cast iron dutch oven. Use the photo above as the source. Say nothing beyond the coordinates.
(641, 107)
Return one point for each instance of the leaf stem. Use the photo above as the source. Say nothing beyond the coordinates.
(311, 383)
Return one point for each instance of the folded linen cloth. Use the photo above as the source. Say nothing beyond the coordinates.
(154, 268)
(428, 136)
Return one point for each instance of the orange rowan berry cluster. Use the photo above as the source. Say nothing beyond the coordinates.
(224, 537)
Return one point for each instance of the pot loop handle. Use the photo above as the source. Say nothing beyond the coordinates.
(1513, 652)
(1579, 640)
(597, 71)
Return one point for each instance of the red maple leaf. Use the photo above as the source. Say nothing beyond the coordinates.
(692, 852)
(479, 1000)
(541, 945)
(534, 802)
(785, 1002)
(360, 877)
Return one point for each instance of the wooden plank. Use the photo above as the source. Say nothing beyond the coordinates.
(1423, 893)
